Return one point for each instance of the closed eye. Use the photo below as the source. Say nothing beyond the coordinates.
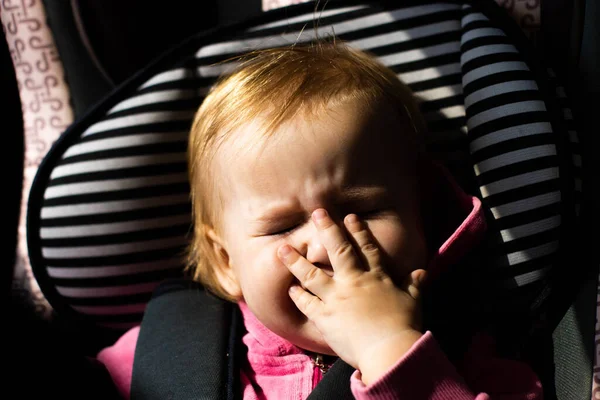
(362, 214)
(285, 231)
(369, 213)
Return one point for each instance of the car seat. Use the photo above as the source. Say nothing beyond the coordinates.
(109, 214)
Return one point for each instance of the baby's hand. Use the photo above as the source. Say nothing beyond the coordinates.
(364, 318)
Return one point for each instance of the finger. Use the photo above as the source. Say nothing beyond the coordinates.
(364, 241)
(340, 250)
(310, 277)
(414, 283)
(308, 304)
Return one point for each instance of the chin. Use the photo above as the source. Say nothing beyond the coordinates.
(310, 339)
(324, 350)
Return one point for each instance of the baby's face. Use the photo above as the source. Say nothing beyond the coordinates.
(346, 160)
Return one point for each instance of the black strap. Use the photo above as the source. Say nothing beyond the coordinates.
(183, 347)
(335, 383)
(190, 347)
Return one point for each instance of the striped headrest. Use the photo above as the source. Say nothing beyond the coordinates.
(109, 211)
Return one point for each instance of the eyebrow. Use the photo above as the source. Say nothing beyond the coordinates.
(349, 196)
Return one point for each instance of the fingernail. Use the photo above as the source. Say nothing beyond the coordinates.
(319, 214)
(293, 289)
(285, 251)
(352, 218)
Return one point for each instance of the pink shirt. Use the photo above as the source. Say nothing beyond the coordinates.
(277, 369)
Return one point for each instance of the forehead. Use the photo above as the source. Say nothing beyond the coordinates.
(314, 156)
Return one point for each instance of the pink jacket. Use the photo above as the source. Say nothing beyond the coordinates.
(277, 369)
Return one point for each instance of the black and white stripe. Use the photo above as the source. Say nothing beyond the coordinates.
(513, 146)
(115, 212)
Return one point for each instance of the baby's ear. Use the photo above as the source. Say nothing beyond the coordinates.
(223, 270)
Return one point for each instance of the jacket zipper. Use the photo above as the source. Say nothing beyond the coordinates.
(320, 368)
(317, 376)
(319, 362)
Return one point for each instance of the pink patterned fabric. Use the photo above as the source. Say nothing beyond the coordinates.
(46, 114)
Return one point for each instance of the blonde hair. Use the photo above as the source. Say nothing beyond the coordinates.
(274, 85)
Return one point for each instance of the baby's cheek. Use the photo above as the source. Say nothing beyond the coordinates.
(389, 238)
(403, 253)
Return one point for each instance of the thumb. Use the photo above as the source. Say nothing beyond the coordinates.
(413, 283)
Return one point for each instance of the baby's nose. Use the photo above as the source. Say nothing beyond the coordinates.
(317, 255)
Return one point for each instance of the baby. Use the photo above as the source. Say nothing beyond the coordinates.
(317, 210)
